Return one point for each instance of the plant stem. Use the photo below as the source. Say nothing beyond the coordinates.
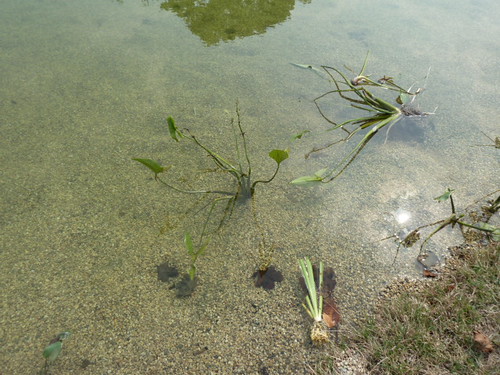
(194, 191)
(252, 189)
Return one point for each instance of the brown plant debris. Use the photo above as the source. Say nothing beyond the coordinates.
(483, 342)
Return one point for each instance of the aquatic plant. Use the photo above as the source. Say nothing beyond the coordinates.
(52, 351)
(240, 170)
(314, 300)
(194, 252)
(479, 223)
(496, 142)
(381, 113)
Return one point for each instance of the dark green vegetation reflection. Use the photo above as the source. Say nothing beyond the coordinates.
(223, 20)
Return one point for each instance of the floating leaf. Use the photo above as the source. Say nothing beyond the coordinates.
(52, 351)
(444, 196)
(279, 155)
(174, 132)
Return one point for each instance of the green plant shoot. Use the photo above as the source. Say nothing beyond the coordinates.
(314, 299)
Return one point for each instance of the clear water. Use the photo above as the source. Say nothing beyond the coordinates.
(86, 86)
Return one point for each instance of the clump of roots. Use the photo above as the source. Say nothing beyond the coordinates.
(320, 334)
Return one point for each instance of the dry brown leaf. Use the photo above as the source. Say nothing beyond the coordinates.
(483, 343)
(430, 273)
(331, 314)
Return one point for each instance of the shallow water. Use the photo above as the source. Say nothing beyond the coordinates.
(86, 86)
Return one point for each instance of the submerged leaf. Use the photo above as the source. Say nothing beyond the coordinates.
(404, 98)
(444, 196)
(174, 132)
(188, 241)
(153, 165)
(310, 180)
(485, 227)
(301, 134)
(52, 351)
(278, 155)
(307, 180)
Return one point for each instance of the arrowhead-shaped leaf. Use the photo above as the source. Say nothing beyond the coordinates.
(279, 155)
(301, 134)
(52, 351)
(444, 196)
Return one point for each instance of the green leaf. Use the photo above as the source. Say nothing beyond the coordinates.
(301, 134)
(202, 249)
(278, 155)
(188, 241)
(310, 180)
(174, 132)
(307, 180)
(444, 196)
(52, 351)
(487, 227)
(404, 98)
(153, 165)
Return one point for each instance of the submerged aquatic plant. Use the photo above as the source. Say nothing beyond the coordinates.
(240, 169)
(479, 223)
(52, 351)
(194, 253)
(314, 300)
(380, 113)
(496, 142)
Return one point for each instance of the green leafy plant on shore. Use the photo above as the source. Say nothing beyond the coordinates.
(379, 114)
(52, 351)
